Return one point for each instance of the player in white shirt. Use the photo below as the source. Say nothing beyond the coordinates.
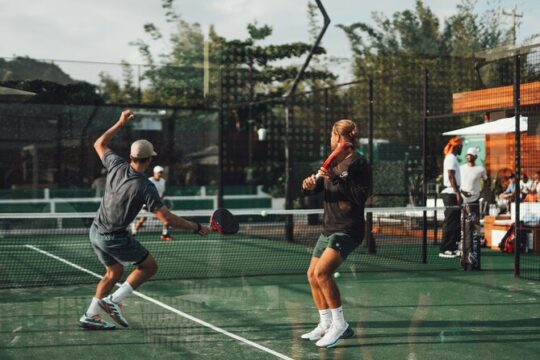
(159, 182)
(452, 200)
(472, 176)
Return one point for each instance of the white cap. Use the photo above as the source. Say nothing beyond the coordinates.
(158, 169)
(142, 149)
(472, 151)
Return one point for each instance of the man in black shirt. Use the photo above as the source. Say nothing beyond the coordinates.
(346, 187)
(126, 191)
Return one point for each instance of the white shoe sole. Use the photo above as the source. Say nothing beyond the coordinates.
(447, 256)
(348, 333)
(311, 338)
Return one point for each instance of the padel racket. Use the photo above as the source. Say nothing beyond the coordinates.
(223, 222)
(340, 149)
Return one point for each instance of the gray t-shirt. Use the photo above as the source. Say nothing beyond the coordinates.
(126, 191)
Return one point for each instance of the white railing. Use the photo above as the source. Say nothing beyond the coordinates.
(54, 201)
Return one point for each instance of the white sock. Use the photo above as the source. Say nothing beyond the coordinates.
(120, 294)
(94, 308)
(337, 317)
(325, 318)
(165, 231)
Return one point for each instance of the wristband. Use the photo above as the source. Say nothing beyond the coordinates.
(199, 227)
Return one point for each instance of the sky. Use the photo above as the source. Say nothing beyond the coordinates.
(101, 30)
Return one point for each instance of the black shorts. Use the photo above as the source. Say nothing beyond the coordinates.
(341, 242)
(116, 248)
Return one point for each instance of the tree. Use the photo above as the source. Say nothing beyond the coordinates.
(251, 72)
(253, 66)
(396, 50)
(416, 35)
(114, 92)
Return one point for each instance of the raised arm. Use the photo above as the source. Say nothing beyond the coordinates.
(168, 218)
(102, 143)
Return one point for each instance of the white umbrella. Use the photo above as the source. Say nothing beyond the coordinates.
(502, 126)
(9, 94)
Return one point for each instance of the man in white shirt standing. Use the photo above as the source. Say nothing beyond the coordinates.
(471, 181)
(159, 182)
(452, 200)
(472, 176)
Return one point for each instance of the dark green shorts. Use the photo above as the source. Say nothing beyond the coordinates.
(117, 248)
(341, 242)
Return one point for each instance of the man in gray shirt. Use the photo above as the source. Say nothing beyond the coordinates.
(126, 191)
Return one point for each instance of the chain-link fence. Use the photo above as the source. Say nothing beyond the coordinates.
(219, 128)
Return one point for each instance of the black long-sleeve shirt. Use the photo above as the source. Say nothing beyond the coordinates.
(345, 196)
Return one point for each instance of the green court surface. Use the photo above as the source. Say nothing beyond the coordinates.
(424, 314)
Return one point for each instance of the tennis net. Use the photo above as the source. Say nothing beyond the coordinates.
(54, 249)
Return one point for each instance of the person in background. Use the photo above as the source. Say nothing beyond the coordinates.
(452, 200)
(509, 194)
(525, 185)
(502, 180)
(472, 176)
(159, 182)
(99, 183)
(535, 186)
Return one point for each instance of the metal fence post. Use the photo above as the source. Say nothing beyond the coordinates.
(289, 225)
(424, 165)
(219, 195)
(517, 155)
(371, 245)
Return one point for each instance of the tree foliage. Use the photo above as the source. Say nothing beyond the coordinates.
(417, 35)
(396, 50)
(176, 76)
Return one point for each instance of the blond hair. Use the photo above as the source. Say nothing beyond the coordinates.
(348, 129)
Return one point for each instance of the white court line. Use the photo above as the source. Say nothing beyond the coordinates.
(167, 307)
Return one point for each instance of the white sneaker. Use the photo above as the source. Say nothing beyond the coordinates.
(447, 254)
(316, 333)
(95, 323)
(334, 335)
(113, 309)
(457, 253)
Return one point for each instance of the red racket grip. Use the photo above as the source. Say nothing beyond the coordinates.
(337, 151)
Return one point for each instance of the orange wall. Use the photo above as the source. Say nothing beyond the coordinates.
(500, 153)
(495, 98)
